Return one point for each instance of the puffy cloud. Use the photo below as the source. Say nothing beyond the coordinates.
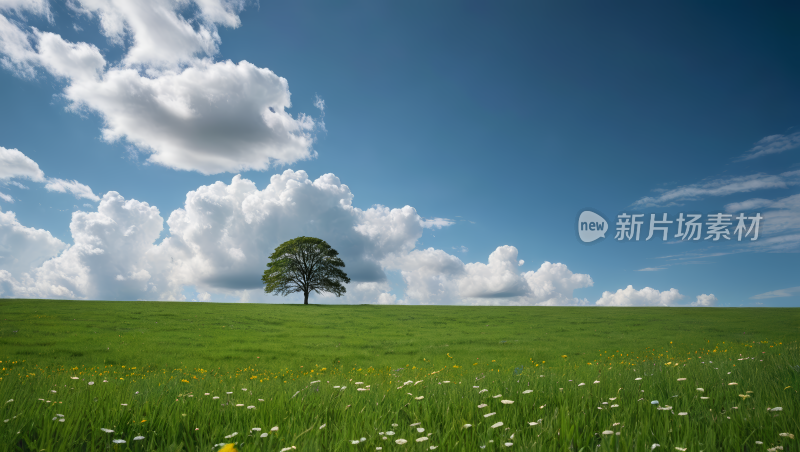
(553, 284)
(393, 231)
(434, 276)
(76, 188)
(75, 61)
(184, 112)
(387, 298)
(36, 7)
(17, 54)
(23, 248)
(772, 144)
(210, 118)
(500, 278)
(645, 297)
(224, 234)
(721, 187)
(160, 34)
(705, 300)
(15, 164)
(6, 198)
(113, 257)
(431, 275)
(363, 293)
(220, 241)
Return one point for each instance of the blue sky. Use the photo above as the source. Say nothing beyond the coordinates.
(149, 151)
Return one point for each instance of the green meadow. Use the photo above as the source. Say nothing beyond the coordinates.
(198, 376)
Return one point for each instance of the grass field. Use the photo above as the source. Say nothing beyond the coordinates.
(152, 364)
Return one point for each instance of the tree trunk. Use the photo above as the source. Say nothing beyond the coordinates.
(306, 294)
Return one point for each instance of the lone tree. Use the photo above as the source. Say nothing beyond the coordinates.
(302, 265)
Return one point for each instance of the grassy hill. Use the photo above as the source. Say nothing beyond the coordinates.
(58, 332)
(146, 376)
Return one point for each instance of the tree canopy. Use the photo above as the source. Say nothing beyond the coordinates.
(305, 264)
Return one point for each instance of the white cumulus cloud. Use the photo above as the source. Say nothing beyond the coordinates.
(221, 239)
(553, 284)
(431, 275)
(75, 61)
(220, 242)
(500, 278)
(36, 7)
(644, 297)
(113, 257)
(434, 276)
(160, 35)
(210, 118)
(363, 293)
(219, 218)
(15, 164)
(387, 298)
(705, 300)
(182, 111)
(17, 54)
(23, 248)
